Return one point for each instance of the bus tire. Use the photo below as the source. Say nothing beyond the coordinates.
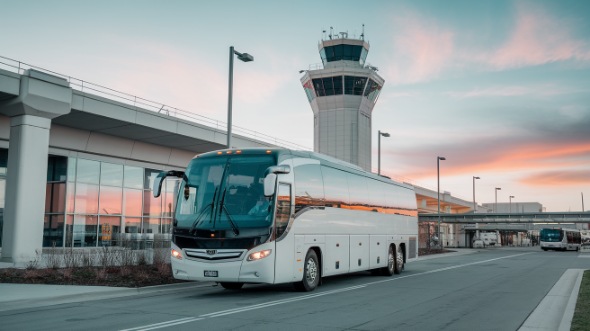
(311, 273)
(389, 270)
(231, 286)
(399, 261)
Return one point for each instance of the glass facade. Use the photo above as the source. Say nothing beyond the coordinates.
(3, 164)
(338, 85)
(343, 52)
(92, 203)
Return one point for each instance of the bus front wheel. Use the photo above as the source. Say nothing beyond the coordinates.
(389, 270)
(311, 273)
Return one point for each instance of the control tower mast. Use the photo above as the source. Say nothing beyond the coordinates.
(342, 95)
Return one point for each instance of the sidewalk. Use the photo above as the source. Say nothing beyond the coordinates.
(20, 296)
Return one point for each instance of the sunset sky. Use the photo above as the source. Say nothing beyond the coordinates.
(499, 88)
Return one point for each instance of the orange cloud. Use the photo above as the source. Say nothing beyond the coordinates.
(558, 178)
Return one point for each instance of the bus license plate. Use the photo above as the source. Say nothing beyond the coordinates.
(210, 273)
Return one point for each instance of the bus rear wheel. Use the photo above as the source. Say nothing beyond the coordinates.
(399, 261)
(311, 273)
(231, 286)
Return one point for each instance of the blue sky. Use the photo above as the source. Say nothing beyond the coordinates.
(500, 88)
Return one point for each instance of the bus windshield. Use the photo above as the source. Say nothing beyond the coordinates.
(551, 235)
(225, 193)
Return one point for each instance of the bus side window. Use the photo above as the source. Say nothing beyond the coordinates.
(283, 211)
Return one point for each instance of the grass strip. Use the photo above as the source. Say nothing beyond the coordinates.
(581, 320)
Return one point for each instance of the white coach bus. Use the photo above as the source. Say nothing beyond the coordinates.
(282, 216)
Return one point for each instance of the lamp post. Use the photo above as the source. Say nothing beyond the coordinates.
(496, 203)
(246, 58)
(438, 159)
(384, 134)
(510, 203)
(474, 205)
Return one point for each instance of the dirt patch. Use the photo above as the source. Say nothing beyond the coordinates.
(123, 276)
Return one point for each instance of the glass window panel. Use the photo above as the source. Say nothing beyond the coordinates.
(57, 168)
(357, 186)
(53, 231)
(150, 175)
(71, 196)
(168, 202)
(133, 202)
(111, 199)
(337, 81)
(328, 85)
(86, 200)
(69, 230)
(55, 196)
(109, 230)
(88, 171)
(283, 211)
(132, 225)
(319, 87)
(166, 225)
(151, 206)
(111, 174)
(85, 230)
(151, 225)
(133, 177)
(72, 161)
(309, 190)
(335, 187)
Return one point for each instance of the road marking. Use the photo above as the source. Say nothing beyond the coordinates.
(302, 297)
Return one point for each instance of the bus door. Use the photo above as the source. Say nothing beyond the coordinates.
(284, 243)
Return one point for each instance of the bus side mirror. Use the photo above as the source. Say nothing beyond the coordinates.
(157, 187)
(270, 182)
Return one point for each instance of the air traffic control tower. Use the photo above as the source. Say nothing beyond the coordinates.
(342, 95)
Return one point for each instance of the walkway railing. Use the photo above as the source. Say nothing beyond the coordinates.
(158, 107)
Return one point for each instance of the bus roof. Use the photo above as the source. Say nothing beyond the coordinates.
(288, 153)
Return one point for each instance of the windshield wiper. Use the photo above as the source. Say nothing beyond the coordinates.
(202, 213)
(222, 208)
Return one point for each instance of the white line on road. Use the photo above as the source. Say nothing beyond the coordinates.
(302, 297)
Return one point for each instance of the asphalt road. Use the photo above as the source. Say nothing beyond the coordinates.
(492, 289)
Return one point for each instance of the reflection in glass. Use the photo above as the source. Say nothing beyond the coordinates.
(111, 174)
(71, 197)
(86, 198)
(109, 230)
(85, 230)
(133, 177)
(72, 161)
(133, 199)
(151, 225)
(111, 200)
(88, 171)
(53, 231)
(57, 168)
(55, 195)
(69, 230)
(151, 206)
(150, 175)
(132, 225)
(166, 225)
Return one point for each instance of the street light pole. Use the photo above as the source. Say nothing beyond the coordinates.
(496, 203)
(474, 205)
(246, 58)
(510, 203)
(438, 159)
(384, 134)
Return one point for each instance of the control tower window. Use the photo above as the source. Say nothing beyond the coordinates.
(308, 87)
(343, 52)
(354, 85)
(328, 86)
(372, 90)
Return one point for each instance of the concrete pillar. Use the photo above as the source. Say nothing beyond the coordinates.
(41, 98)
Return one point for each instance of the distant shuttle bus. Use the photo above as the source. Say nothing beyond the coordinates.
(560, 239)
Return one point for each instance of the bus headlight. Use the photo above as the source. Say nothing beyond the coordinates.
(176, 254)
(259, 255)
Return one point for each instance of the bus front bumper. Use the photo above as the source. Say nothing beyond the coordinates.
(243, 271)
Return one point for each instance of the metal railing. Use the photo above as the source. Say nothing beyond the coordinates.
(20, 67)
